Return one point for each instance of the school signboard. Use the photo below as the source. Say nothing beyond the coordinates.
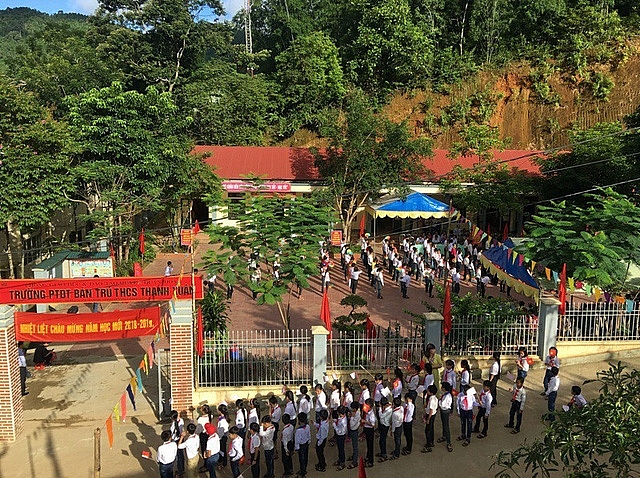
(88, 327)
(99, 289)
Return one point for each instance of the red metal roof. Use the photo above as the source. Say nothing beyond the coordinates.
(296, 164)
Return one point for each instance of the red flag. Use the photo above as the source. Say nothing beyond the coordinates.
(362, 225)
(446, 311)
(361, 471)
(200, 332)
(196, 228)
(141, 242)
(505, 232)
(562, 289)
(488, 229)
(325, 314)
(370, 329)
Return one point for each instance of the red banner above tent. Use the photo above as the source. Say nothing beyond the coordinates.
(121, 324)
(98, 289)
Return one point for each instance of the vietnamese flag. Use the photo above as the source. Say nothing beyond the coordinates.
(325, 314)
(141, 242)
(562, 289)
(362, 225)
(362, 473)
(446, 311)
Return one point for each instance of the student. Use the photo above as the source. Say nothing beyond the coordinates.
(396, 426)
(449, 375)
(484, 410)
(177, 427)
(369, 422)
(334, 398)
(446, 402)
(550, 361)
(276, 416)
(223, 432)
(355, 276)
(364, 394)
(290, 407)
(167, 453)
(241, 418)
(377, 391)
(465, 374)
(430, 411)
(340, 426)
(304, 404)
(429, 380)
(577, 400)
(190, 443)
(465, 412)
(522, 363)
(552, 393)
(169, 269)
(22, 363)
(267, 437)
(254, 449)
(494, 376)
(518, 398)
(254, 409)
(322, 432)
(302, 439)
(347, 395)
(413, 381)
(354, 431)
(236, 452)
(407, 422)
(397, 382)
(204, 418)
(321, 401)
(383, 427)
(404, 285)
(212, 449)
(287, 445)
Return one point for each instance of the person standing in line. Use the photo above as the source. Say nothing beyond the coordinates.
(241, 418)
(384, 424)
(446, 402)
(22, 362)
(267, 436)
(354, 432)
(190, 443)
(369, 422)
(494, 376)
(223, 433)
(341, 426)
(322, 432)
(430, 417)
(287, 445)
(465, 412)
(167, 453)
(552, 393)
(355, 277)
(302, 440)
(177, 427)
(321, 401)
(236, 451)
(254, 449)
(484, 410)
(276, 415)
(212, 451)
(518, 399)
(379, 282)
(407, 422)
(429, 279)
(396, 426)
(522, 363)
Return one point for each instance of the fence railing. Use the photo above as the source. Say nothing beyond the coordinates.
(608, 321)
(483, 336)
(265, 357)
(385, 349)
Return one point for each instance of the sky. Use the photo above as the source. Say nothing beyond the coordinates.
(88, 6)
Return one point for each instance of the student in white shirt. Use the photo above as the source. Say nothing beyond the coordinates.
(254, 408)
(276, 415)
(288, 431)
(341, 426)
(494, 376)
(407, 422)
(302, 440)
(321, 401)
(223, 432)
(167, 453)
(304, 403)
(397, 382)
(322, 432)
(254, 449)
(552, 393)
(446, 403)
(449, 374)
(236, 451)
(347, 395)
(413, 380)
(522, 363)
(550, 361)
(429, 379)
(212, 449)
(430, 410)
(384, 423)
(190, 443)
(518, 399)
(290, 406)
(465, 404)
(354, 432)
(204, 418)
(465, 374)
(484, 409)
(369, 422)
(177, 427)
(241, 418)
(267, 437)
(334, 399)
(364, 394)
(396, 426)
(577, 400)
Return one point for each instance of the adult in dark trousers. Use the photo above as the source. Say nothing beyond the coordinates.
(22, 361)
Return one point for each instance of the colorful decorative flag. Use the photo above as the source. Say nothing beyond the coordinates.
(109, 426)
(325, 313)
(150, 354)
(139, 380)
(200, 334)
(505, 232)
(562, 290)
(116, 412)
(446, 310)
(588, 290)
(484, 234)
(145, 361)
(514, 256)
(141, 242)
(123, 406)
(133, 383)
(547, 272)
(370, 329)
(533, 265)
(597, 292)
(520, 259)
(362, 473)
(131, 396)
(488, 229)
(556, 276)
(572, 285)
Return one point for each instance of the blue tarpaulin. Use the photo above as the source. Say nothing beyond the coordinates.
(415, 205)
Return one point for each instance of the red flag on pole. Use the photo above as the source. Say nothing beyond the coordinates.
(362, 224)
(562, 289)
(362, 473)
(505, 232)
(325, 314)
(141, 242)
(200, 332)
(196, 228)
(446, 311)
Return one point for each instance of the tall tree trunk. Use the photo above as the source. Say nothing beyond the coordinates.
(464, 21)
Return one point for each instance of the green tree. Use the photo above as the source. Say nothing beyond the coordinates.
(595, 241)
(134, 158)
(34, 165)
(311, 79)
(272, 233)
(595, 441)
(366, 154)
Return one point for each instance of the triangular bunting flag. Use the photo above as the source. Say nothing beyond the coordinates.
(598, 292)
(547, 272)
(556, 276)
(109, 426)
(533, 265)
(514, 256)
(116, 412)
(571, 282)
(146, 364)
(131, 396)
(520, 259)
(123, 407)
(139, 380)
(150, 355)
(587, 289)
(133, 383)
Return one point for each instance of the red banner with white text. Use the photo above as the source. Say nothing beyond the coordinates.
(88, 327)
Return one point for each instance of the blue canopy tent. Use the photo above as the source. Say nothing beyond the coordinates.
(498, 260)
(415, 206)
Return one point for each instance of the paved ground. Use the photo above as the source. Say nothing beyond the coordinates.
(69, 400)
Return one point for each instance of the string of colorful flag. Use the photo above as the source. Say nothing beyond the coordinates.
(135, 386)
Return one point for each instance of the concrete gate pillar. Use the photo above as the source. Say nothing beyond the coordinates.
(547, 325)
(181, 357)
(11, 410)
(433, 322)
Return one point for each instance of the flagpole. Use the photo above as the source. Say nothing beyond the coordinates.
(446, 261)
